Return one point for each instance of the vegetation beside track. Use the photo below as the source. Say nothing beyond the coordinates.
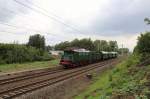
(125, 81)
(28, 66)
(17, 53)
(128, 80)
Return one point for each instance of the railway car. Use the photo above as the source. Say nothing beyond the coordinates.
(115, 54)
(78, 57)
(105, 55)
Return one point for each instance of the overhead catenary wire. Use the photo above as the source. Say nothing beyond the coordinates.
(53, 18)
(14, 12)
(8, 32)
(18, 27)
(25, 28)
(53, 14)
(49, 12)
(22, 27)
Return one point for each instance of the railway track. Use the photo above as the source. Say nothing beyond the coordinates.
(46, 81)
(24, 77)
(27, 73)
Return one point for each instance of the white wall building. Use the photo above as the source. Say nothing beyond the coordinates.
(56, 52)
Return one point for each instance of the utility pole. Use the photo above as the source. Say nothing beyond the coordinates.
(98, 47)
(122, 50)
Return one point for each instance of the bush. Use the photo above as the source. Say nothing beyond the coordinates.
(14, 53)
(143, 45)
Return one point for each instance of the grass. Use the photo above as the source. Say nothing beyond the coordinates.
(124, 80)
(100, 84)
(28, 66)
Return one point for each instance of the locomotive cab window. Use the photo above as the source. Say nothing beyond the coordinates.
(68, 55)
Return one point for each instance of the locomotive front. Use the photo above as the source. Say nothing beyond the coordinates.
(67, 59)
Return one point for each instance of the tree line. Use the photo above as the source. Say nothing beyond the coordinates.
(87, 43)
(34, 50)
(143, 45)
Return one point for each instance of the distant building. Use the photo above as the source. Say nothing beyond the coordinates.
(56, 53)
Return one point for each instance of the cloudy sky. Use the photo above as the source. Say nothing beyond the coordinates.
(60, 20)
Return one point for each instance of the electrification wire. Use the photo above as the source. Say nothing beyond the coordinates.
(14, 12)
(18, 27)
(25, 28)
(51, 13)
(40, 12)
(3, 23)
(7, 32)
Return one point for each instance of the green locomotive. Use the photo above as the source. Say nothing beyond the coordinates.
(79, 57)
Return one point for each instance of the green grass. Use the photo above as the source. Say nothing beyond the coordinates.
(124, 79)
(28, 66)
(100, 84)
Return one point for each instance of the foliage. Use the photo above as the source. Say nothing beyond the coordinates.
(62, 45)
(102, 45)
(113, 45)
(87, 43)
(123, 50)
(15, 53)
(48, 48)
(143, 45)
(37, 41)
(124, 81)
(75, 43)
(147, 20)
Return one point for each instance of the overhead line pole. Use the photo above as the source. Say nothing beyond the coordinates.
(122, 49)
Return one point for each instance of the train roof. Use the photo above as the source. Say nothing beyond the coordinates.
(114, 52)
(104, 52)
(77, 50)
(81, 50)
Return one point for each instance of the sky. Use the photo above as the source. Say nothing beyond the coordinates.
(65, 20)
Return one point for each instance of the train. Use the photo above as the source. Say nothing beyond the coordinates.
(79, 57)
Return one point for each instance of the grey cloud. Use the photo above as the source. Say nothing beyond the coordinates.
(9, 9)
(124, 17)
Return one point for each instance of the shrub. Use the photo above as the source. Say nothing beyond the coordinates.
(143, 45)
(14, 53)
(46, 56)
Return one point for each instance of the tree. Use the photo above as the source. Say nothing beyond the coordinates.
(96, 45)
(104, 45)
(37, 41)
(48, 48)
(113, 46)
(62, 45)
(147, 20)
(143, 45)
(75, 43)
(123, 50)
(83, 43)
(86, 43)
